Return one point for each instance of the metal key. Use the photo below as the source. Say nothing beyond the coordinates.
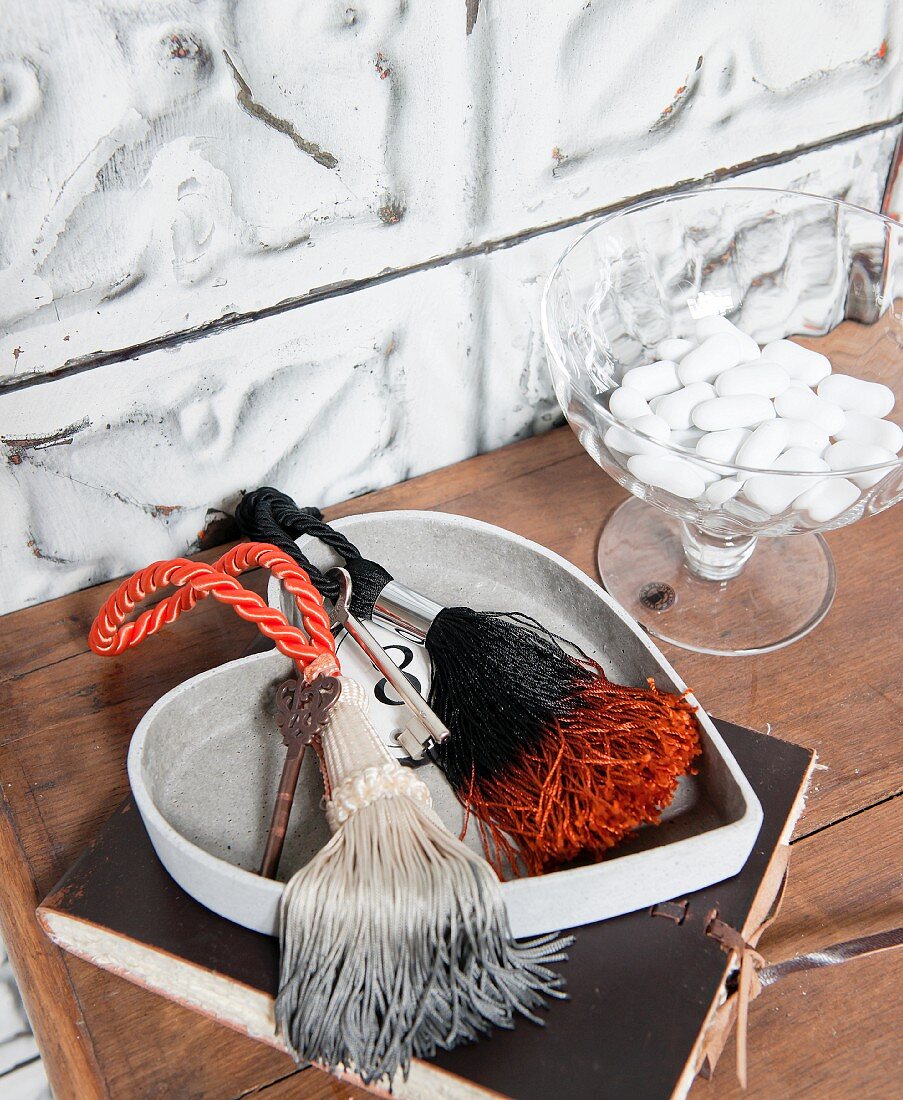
(302, 710)
(425, 731)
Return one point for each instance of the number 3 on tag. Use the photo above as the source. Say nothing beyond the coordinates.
(386, 709)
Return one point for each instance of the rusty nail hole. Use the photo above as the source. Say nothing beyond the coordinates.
(657, 596)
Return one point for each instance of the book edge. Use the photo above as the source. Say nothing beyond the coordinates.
(425, 1081)
(87, 941)
(770, 884)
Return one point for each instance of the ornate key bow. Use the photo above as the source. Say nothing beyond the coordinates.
(302, 711)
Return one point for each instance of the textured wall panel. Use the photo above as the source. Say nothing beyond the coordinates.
(513, 279)
(618, 98)
(165, 165)
(111, 469)
(107, 470)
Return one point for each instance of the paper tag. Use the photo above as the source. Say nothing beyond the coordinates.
(387, 712)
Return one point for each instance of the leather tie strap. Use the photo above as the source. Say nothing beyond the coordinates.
(750, 959)
(755, 974)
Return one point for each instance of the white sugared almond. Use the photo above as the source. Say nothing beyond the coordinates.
(764, 445)
(716, 354)
(743, 411)
(800, 403)
(826, 500)
(857, 395)
(808, 367)
(627, 404)
(674, 349)
(760, 376)
(678, 407)
(674, 475)
(869, 429)
(847, 454)
(722, 446)
(653, 379)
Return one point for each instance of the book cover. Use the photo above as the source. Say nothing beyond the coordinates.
(643, 987)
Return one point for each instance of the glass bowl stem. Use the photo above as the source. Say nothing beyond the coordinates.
(715, 557)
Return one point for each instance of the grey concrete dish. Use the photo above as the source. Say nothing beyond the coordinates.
(204, 761)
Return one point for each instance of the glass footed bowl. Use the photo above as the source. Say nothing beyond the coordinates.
(728, 577)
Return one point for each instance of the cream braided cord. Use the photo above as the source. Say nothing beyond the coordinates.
(358, 765)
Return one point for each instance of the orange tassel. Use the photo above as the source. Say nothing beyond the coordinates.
(611, 765)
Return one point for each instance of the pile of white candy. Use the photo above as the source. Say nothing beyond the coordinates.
(774, 408)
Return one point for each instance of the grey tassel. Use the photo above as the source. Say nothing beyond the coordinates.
(395, 938)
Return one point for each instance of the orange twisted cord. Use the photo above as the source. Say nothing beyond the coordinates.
(295, 580)
(110, 633)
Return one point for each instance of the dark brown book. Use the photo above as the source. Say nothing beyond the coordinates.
(644, 988)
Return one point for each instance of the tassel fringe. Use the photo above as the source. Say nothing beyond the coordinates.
(497, 681)
(599, 773)
(395, 944)
(395, 938)
(554, 761)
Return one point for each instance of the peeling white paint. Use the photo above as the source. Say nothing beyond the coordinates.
(349, 396)
(129, 462)
(152, 199)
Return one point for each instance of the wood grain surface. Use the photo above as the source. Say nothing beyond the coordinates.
(68, 716)
(829, 1033)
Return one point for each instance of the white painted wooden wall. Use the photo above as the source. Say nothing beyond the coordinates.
(304, 243)
(22, 1075)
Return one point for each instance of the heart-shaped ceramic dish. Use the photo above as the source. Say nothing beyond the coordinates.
(204, 761)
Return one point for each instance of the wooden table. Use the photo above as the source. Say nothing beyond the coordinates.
(67, 717)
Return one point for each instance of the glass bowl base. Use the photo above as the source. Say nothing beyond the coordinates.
(783, 591)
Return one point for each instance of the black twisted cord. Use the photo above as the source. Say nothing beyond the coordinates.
(255, 519)
(307, 521)
(266, 515)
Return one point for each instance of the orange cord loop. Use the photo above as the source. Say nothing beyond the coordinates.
(111, 634)
(295, 580)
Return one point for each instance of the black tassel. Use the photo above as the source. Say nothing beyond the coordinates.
(497, 681)
(270, 516)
